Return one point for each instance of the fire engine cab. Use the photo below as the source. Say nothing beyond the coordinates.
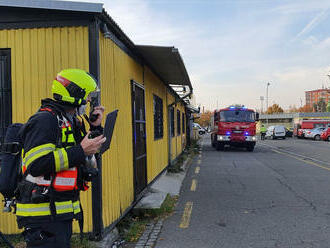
(234, 126)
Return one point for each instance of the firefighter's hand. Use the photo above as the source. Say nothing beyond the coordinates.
(99, 110)
(92, 146)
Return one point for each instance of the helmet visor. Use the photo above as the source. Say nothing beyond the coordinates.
(93, 95)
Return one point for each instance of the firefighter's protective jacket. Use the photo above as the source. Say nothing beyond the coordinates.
(52, 155)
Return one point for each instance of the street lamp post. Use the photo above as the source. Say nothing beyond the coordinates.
(262, 103)
(267, 101)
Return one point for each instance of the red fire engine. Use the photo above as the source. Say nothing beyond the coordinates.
(308, 124)
(234, 126)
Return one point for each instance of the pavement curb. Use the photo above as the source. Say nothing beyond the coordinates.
(108, 239)
(150, 235)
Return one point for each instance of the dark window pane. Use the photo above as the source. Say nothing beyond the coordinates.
(183, 124)
(178, 121)
(5, 92)
(140, 139)
(139, 104)
(172, 121)
(158, 117)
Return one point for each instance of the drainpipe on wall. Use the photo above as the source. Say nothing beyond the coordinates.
(169, 131)
(94, 69)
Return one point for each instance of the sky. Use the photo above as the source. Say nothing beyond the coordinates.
(233, 48)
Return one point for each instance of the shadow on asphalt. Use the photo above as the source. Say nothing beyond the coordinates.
(257, 149)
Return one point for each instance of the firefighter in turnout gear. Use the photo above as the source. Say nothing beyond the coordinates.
(55, 150)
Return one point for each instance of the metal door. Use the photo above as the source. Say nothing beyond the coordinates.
(5, 92)
(139, 138)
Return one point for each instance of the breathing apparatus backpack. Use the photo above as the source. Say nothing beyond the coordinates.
(10, 165)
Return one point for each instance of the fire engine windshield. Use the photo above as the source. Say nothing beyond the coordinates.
(237, 116)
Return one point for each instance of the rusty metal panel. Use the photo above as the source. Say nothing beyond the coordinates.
(37, 55)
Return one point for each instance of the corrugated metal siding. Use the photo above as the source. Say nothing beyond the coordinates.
(178, 141)
(157, 150)
(37, 55)
(117, 69)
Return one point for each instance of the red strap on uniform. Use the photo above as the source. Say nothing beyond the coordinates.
(46, 109)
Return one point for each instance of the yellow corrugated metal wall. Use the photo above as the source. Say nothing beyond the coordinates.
(36, 56)
(157, 150)
(117, 69)
(181, 137)
(178, 141)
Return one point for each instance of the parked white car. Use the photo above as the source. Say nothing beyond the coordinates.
(275, 132)
(200, 129)
(314, 133)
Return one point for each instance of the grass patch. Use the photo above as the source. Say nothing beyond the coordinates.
(133, 225)
(18, 242)
(165, 210)
(84, 243)
(15, 239)
(192, 150)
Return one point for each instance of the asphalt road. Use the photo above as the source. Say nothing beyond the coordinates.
(276, 196)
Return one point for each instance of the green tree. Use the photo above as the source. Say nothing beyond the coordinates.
(328, 107)
(321, 105)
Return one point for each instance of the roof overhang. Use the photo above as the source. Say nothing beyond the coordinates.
(167, 63)
(193, 109)
(55, 5)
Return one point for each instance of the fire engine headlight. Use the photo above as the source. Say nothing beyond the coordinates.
(250, 138)
(223, 138)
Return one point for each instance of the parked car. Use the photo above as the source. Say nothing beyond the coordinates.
(288, 132)
(314, 133)
(325, 135)
(275, 132)
(201, 130)
(309, 124)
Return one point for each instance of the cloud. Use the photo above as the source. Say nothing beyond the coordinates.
(313, 23)
(232, 52)
(294, 7)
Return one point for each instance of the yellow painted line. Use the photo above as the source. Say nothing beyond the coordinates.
(300, 159)
(199, 161)
(193, 185)
(197, 169)
(185, 220)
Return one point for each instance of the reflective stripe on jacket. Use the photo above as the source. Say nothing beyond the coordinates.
(43, 209)
(65, 177)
